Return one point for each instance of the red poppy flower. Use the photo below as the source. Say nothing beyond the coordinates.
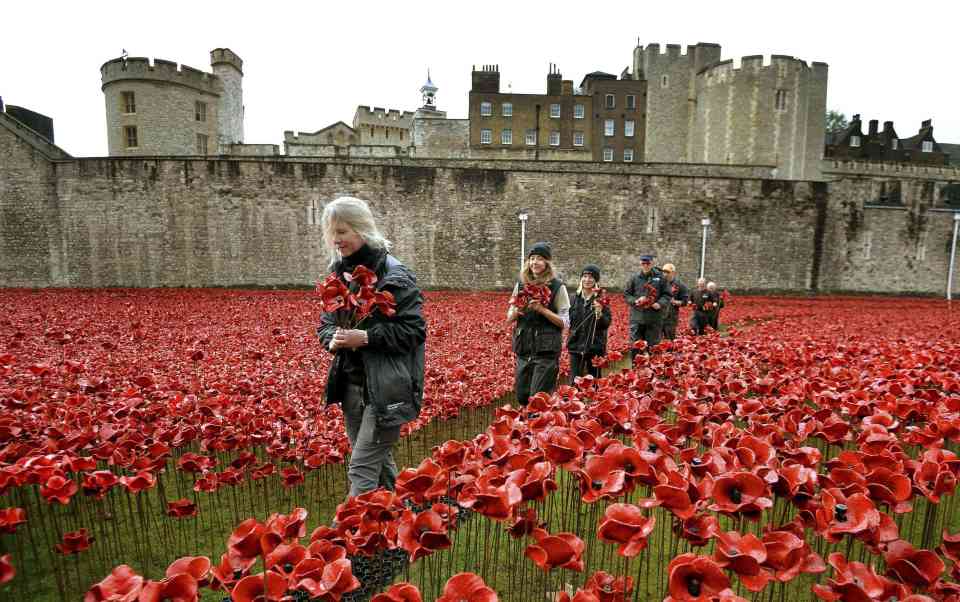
(839, 515)
(292, 477)
(99, 483)
(427, 481)
(74, 542)
(524, 524)
(422, 534)
(492, 500)
(121, 585)
(230, 570)
(890, 487)
(677, 494)
(244, 542)
(581, 595)
(196, 566)
(399, 592)
(535, 482)
(744, 555)
(264, 587)
(181, 508)
(951, 546)
(11, 518)
(698, 530)
(282, 528)
(178, 588)
(263, 471)
(561, 446)
(283, 558)
(788, 555)
(139, 482)
(7, 570)
(467, 587)
(742, 492)
(608, 588)
(564, 550)
(450, 454)
(600, 478)
(58, 488)
(207, 483)
(334, 294)
(695, 578)
(337, 580)
(626, 525)
(856, 581)
(919, 568)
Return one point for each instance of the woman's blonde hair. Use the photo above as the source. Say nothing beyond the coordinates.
(527, 276)
(355, 213)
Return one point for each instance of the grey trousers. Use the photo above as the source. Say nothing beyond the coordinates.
(535, 373)
(371, 458)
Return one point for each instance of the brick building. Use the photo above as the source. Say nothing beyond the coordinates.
(885, 144)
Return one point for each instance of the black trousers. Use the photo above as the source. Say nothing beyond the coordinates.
(649, 332)
(669, 330)
(535, 373)
(699, 322)
(581, 364)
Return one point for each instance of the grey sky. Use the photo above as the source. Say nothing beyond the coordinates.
(307, 65)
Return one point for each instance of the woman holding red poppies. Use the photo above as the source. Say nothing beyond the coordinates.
(540, 309)
(589, 320)
(377, 371)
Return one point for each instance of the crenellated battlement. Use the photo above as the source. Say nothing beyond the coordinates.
(756, 64)
(382, 116)
(160, 70)
(219, 56)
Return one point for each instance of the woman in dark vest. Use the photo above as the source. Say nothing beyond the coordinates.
(589, 321)
(538, 328)
(377, 373)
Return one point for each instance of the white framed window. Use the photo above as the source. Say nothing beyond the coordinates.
(664, 81)
(609, 128)
(554, 138)
(631, 102)
(628, 127)
(578, 138)
(200, 110)
(506, 137)
(895, 143)
(555, 110)
(130, 136)
(927, 146)
(628, 155)
(608, 154)
(202, 141)
(578, 111)
(610, 101)
(780, 101)
(486, 136)
(530, 137)
(486, 109)
(855, 141)
(506, 109)
(129, 102)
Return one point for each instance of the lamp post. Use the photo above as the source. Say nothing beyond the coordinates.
(953, 255)
(705, 222)
(523, 216)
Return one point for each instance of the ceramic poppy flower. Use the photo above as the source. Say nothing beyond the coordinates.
(283, 528)
(181, 508)
(229, 571)
(535, 482)
(467, 587)
(788, 555)
(524, 524)
(7, 570)
(950, 546)
(121, 585)
(99, 483)
(740, 492)
(422, 534)
(139, 482)
(197, 566)
(244, 542)
(11, 518)
(919, 568)
(694, 578)
(284, 558)
(626, 525)
(745, 556)
(677, 494)
(561, 446)
(840, 515)
(74, 542)
(263, 587)
(58, 488)
(698, 530)
(492, 500)
(608, 588)
(600, 478)
(563, 550)
(856, 581)
(399, 592)
(427, 481)
(181, 587)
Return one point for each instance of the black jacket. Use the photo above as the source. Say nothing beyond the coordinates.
(698, 298)
(679, 292)
(393, 359)
(588, 334)
(533, 334)
(635, 289)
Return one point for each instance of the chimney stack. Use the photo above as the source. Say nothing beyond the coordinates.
(873, 127)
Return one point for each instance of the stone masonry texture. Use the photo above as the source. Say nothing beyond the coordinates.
(235, 221)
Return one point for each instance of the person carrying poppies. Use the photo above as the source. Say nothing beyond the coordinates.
(377, 372)
(540, 310)
(590, 318)
(647, 293)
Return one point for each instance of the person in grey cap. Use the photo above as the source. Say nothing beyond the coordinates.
(538, 326)
(589, 321)
(647, 293)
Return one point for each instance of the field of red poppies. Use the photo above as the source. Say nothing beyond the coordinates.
(173, 445)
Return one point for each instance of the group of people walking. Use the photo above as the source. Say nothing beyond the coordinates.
(377, 371)
(655, 296)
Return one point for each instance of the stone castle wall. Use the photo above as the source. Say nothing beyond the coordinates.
(233, 221)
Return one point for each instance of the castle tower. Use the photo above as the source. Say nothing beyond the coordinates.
(428, 92)
(229, 68)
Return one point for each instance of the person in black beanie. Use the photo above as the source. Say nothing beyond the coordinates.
(589, 322)
(377, 372)
(538, 325)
